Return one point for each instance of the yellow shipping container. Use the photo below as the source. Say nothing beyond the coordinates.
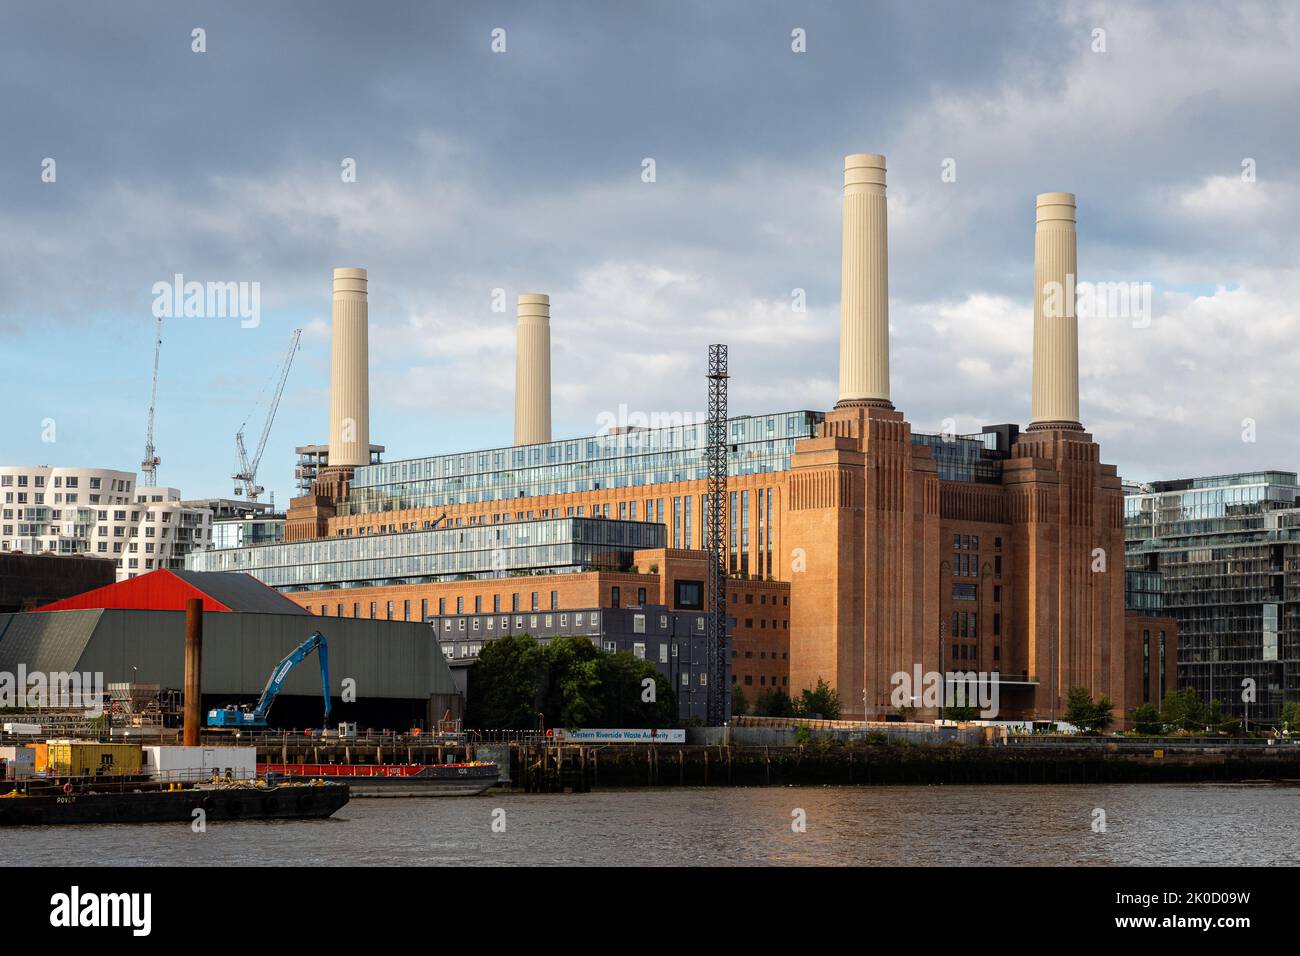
(86, 758)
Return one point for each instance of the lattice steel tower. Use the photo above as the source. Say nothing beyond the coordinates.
(715, 457)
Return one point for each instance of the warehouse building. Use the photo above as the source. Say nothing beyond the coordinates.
(133, 632)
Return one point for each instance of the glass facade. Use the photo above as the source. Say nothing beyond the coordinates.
(551, 546)
(964, 457)
(244, 532)
(756, 445)
(1144, 592)
(1227, 551)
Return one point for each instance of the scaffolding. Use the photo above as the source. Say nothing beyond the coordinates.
(715, 545)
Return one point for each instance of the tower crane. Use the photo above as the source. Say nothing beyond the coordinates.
(246, 468)
(151, 461)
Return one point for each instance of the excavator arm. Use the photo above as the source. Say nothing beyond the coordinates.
(281, 672)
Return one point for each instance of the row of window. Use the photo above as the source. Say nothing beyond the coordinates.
(71, 481)
(762, 680)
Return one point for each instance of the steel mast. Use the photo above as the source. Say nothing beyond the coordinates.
(715, 456)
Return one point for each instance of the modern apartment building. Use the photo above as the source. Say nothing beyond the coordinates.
(1227, 552)
(99, 512)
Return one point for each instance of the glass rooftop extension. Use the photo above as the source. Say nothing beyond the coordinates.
(622, 458)
(964, 457)
(549, 546)
(1223, 503)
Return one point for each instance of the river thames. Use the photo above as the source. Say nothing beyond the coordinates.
(1201, 824)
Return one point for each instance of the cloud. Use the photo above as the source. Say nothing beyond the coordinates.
(522, 172)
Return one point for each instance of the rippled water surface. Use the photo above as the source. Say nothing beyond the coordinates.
(1250, 825)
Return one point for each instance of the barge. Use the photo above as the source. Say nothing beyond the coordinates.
(394, 780)
(227, 802)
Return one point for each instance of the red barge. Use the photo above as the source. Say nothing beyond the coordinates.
(394, 780)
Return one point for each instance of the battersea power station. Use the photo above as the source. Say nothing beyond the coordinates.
(855, 548)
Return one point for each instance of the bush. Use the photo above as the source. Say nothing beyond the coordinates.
(1146, 719)
(1089, 716)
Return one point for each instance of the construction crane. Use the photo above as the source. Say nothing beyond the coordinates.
(256, 717)
(246, 468)
(149, 465)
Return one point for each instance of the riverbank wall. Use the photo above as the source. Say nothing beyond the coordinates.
(748, 756)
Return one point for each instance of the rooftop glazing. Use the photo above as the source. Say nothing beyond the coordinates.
(629, 458)
(548, 546)
(619, 459)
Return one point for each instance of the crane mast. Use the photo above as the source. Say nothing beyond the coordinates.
(246, 467)
(149, 464)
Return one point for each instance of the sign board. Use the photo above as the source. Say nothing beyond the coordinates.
(588, 736)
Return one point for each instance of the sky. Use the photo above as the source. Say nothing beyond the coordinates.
(479, 169)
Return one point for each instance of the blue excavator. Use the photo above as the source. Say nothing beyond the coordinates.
(255, 718)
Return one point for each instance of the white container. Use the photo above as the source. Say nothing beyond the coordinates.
(19, 762)
(195, 763)
(22, 728)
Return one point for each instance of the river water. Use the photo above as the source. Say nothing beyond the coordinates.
(1224, 824)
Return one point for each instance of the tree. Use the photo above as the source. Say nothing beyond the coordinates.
(822, 702)
(1089, 716)
(1291, 717)
(623, 693)
(739, 705)
(1183, 710)
(571, 682)
(1146, 719)
(773, 702)
(960, 713)
(504, 684)
(573, 696)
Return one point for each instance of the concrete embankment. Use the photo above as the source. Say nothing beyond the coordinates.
(554, 768)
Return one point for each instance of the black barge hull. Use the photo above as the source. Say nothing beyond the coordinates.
(163, 806)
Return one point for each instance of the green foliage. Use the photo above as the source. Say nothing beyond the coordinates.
(1146, 719)
(739, 705)
(504, 684)
(773, 702)
(822, 702)
(572, 691)
(1291, 716)
(570, 681)
(622, 691)
(1089, 716)
(1183, 710)
(803, 735)
(960, 713)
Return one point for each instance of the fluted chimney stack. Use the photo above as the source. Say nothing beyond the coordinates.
(350, 371)
(1056, 325)
(864, 285)
(533, 370)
